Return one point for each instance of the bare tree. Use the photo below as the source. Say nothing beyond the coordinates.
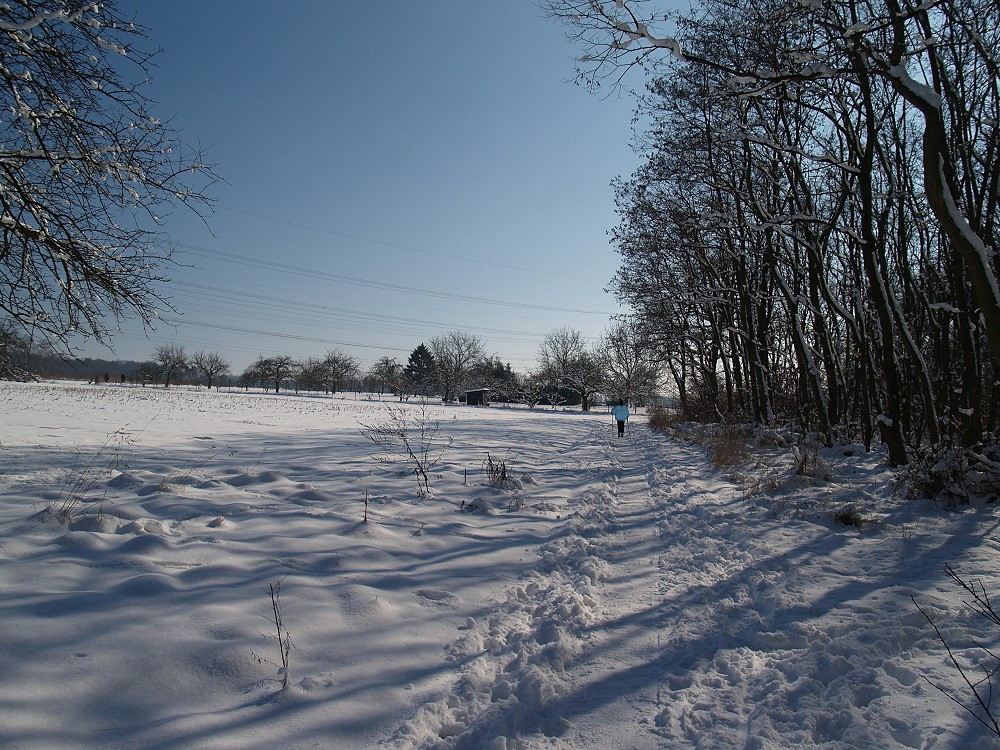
(385, 372)
(311, 375)
(531, 389)
(275, 370)
(338, 366)
(172, 360)
(14, 353)
(565, 359)
(145, 372)
(252, 376)
(626, 357)
(87, 173)
(210, 365)
(455, 353)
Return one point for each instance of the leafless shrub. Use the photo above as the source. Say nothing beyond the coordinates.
(495, 470)
(102, 464)
(661, 419)
(409, 435)
(937, 472)
(773, 437)
(808, 462)
(979, 687)
(728, 446)
(186, 474)
(281, 636)
(762, 479)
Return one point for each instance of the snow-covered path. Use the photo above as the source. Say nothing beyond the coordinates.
(702, 619)
(672, 543)
(582, 655)
(612, 693)
(727, 624)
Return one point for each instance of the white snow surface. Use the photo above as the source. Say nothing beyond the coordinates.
(621, 594)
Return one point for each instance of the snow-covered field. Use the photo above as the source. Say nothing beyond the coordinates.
(614, 593)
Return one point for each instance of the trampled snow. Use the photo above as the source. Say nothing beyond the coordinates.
(611, 593)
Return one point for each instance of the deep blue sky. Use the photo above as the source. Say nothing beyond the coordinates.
(437, 146)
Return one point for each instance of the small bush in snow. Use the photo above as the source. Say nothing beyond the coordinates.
(497, 475)
(938, 473)
(412, 436)
(495, 470)
(761, 479)
(661, 419)
(186, 475)
(808, 461)
(774, 437)
(728, 446)
(281, 636)
(99, 469)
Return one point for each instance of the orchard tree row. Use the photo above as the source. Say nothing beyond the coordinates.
(568, 370)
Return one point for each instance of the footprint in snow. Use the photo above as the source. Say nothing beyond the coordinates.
(437, 596)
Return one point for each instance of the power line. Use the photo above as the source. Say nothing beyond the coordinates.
(353, 280)
(362, 303)
(409, 248)
(356, 315)
(292, 336)
(157, 334)
(299, 321)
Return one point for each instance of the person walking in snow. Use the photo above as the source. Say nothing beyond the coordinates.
(620, 412)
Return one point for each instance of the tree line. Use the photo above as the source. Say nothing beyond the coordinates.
(813, 232)
(568, 370)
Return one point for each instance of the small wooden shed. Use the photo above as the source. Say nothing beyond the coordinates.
(478, 397)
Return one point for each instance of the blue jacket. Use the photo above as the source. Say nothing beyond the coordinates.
(620, 412)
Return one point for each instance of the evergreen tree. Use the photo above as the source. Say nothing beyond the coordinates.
(420, 369)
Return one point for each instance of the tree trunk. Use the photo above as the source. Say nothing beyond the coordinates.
(890, 422)
(940, 189)
(808, 369)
